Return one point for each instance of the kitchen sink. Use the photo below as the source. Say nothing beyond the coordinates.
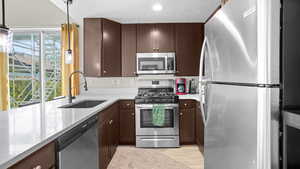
(84, 104)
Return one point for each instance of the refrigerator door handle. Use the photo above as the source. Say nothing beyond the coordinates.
(202, 61)
(202, 81)
(202, 103)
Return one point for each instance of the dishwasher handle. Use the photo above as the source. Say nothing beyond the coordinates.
(72, 135)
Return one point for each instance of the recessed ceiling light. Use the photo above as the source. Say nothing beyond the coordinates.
(157, 7)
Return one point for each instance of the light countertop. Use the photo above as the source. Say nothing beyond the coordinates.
(25, 130)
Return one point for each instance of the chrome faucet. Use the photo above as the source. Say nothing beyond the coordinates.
(70, 97)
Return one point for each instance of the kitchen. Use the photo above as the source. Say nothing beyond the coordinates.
(198, 84)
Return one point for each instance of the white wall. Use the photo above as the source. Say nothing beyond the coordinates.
(33, 13)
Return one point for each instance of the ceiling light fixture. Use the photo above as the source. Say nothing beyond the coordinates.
(157, 7)
(68, 52)
(5, 33)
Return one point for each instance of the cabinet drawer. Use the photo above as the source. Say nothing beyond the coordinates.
(127, 104)
(41, 159)
(187, 104)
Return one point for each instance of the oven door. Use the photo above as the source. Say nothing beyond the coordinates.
(144, 121)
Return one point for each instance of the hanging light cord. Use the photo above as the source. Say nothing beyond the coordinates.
(68, 19)
(3, 13)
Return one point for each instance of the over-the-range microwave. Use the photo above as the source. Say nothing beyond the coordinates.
(155, 63)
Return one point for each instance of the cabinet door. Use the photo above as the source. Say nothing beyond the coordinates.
(115, 128)
(129, 50)
(189, 39)
(111, 49)
(110, 136)
(127, 126)
(187, 122)
(146, 35)
(92, 47)
(43, 158)
(165, 39)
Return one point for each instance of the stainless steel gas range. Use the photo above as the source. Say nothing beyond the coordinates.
(148, 134)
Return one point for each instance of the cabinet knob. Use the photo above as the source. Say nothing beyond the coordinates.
(185, 104)
(37, 167)
(111, 121)
(132, 114)
(127, 104)
(104, 71)
(181, 114)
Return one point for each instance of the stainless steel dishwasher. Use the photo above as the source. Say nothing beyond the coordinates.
(78, 148)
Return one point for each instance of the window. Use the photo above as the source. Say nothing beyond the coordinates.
(32, 52)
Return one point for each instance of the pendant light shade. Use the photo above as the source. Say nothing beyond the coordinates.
(5, 34)
(68, 52)
(68, 57)
(5, 40)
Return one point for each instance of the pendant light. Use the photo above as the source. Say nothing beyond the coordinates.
(5, 33)
(68, 52)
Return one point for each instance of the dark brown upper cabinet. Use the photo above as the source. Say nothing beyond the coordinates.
(102, 48)
(189, 39)
(128, 50)
(155, 38)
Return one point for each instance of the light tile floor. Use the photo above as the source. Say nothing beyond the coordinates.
(188, 155)
(130, 157)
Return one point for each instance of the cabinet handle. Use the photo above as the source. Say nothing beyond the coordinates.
(111, 121)
(185, 104)
(38, 167)
(127, 104)
(132, 114)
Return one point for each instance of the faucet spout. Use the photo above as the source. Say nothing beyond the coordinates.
(70, 97)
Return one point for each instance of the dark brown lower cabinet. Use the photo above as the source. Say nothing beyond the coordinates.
(108, 134)
(43, 158)
(187, 122)
(127, 122)
(114, 129)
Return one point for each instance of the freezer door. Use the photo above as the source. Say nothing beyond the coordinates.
(244, 38)
(241, 127)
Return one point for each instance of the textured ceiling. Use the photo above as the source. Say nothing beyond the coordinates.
(140, 11)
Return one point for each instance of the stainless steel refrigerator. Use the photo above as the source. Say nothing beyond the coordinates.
(240, 86)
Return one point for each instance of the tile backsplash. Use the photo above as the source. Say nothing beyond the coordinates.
(127, 82)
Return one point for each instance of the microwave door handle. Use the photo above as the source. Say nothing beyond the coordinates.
(166, 63)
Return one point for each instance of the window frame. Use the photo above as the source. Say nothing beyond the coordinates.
(42, 60)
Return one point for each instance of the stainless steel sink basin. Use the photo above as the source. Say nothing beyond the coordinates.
(84, 104)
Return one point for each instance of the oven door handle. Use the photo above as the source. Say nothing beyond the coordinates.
(167, 106)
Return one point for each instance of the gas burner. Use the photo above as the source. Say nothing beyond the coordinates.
(156, 96)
